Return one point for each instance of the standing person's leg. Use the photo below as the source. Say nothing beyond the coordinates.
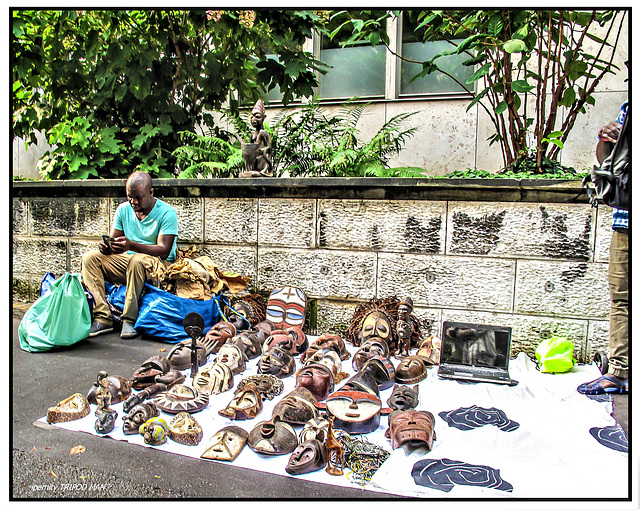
(139, 270)
(96, 270)
(615, 380)
(619, 319)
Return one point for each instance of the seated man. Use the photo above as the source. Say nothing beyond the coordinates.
(143, 236)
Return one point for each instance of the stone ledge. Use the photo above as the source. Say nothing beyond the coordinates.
(494, 190)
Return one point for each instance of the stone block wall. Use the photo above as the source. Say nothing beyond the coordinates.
(510, 254)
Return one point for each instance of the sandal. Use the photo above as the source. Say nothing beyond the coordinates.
(596, 388)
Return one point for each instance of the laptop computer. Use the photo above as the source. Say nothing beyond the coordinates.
(475, 352)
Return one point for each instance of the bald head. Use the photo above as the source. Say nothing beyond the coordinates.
(140, 192)
(140, 180)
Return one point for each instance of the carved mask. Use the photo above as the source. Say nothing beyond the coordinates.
(287, 306)
(226, 444)
(155, 431)
(327, 357)
(429, 349)
(251, 342)
(72, 408)
(137, 416)
(355, 412)
(220, 333)
(293, 340)
(146, 374)
(268, 385)
(245, 405)
(181, 398)
(277, 362)
(184, 429)
(297, 407)
(273, 437)
(118, 388)
(404, 397)
(362, 381)
(318, 379)
(382, 370)
(415, 428)
(105, 421)
(316, 428)
(369, 349)
(411, 369)
(232, 356)
(307, 457)
(214, 379)
(334, 342)
(375, 325)
(239, 320)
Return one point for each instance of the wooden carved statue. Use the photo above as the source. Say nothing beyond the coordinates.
(257, 153)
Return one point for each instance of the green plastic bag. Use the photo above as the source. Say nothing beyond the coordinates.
(555, 355)
(59, 318)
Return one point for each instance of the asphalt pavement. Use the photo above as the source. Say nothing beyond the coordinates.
(44, 466)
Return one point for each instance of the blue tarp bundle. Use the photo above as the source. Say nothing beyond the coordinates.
(162, 313)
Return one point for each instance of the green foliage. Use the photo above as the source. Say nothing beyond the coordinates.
(304, 142)
(113, 89)
(524, 167)
(521, 58)
(308, 142)
(207, 156)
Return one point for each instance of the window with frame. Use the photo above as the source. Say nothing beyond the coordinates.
(414, 50)
(356, 71)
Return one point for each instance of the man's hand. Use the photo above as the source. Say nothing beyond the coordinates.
(610, 132)
(104, 248)
(120, 245)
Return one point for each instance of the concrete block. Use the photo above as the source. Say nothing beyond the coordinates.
(190, 218)
(598, 338)
(603, 234)
(231, 220)
(77, 249)
(334, 316)
(287, 222)
(21, 289)
(556, 231)
(69, 216)
(445, 139)
(319, 273)
(39, 256)
(566, 289)
(448, 281)
(382, 225)
(20, 224)
(238, 259)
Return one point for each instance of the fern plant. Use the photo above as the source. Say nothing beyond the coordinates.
(304, 142)
(309, 142)
(207, 156)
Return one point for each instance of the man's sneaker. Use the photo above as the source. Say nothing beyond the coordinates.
(128, 331)
(98, 328)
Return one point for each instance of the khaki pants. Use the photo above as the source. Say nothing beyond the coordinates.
(124, 269)
(619, 290)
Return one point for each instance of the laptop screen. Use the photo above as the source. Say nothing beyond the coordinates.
(475, 344)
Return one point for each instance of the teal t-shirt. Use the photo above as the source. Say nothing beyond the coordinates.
(162, 220)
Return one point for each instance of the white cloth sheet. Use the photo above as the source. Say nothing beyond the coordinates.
(549, 454)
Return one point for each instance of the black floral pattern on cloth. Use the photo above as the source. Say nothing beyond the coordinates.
(445, 474)
(612, 437)
(469, 418)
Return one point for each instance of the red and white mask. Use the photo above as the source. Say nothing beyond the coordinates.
(287, 306)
